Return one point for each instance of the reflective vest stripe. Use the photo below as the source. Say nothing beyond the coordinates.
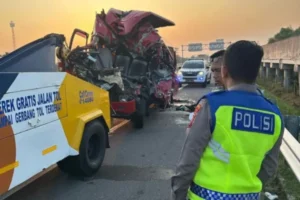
(213, 195)
(218, 151)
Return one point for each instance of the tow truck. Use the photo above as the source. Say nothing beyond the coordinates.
(48, 117)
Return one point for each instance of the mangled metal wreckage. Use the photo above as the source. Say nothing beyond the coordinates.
(125, 56)
(139, 50)
(128, 57)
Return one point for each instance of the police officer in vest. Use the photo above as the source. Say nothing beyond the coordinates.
(233, 145)
(216, 61)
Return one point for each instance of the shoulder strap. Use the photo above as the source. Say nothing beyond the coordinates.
(210, 94)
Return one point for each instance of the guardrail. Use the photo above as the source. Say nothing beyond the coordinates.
(290, 149)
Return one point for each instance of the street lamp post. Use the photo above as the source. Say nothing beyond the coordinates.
(12, 26)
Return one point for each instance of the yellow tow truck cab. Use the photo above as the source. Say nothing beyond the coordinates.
(48, 118)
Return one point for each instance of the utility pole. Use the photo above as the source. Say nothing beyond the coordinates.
(182, 54)
(12, 26)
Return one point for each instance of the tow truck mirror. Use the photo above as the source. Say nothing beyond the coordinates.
(80, 33)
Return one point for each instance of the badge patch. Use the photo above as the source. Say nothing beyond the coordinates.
(197, 109)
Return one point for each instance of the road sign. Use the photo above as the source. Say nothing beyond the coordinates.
(216, 46)
(195, 47)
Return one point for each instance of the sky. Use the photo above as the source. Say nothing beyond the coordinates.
(196, 21)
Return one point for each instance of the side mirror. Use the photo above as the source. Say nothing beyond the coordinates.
(207, 67)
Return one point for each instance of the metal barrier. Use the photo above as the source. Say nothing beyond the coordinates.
(290, 149)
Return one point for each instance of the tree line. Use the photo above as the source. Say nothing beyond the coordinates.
(284, 33)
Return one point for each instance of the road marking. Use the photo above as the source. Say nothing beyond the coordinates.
(49, 150)
(182, 87)
(123, 123)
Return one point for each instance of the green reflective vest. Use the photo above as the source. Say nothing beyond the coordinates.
(245, 126)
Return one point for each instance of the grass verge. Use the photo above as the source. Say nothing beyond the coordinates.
(285, 185)
(288, 102)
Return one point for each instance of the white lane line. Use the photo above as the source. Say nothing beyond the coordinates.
(182, 87)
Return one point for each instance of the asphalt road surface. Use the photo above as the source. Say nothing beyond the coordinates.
(138, 166)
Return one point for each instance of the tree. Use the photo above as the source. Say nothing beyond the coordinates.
(271, 40)
(284, 33)
(297, 32)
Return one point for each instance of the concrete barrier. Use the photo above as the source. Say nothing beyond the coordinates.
(281, 60)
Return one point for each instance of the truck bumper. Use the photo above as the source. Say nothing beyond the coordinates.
(195, 79)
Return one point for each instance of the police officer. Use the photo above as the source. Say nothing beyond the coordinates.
(233, 145)
(216, 63)
(216, 60)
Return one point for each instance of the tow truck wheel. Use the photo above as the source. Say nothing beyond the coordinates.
(91, 152)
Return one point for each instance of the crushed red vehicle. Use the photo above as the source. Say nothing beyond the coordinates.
(127, 57)
(140, 51)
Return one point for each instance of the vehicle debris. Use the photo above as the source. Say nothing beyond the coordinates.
(127, 57)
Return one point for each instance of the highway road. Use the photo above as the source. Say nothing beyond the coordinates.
(138, 166)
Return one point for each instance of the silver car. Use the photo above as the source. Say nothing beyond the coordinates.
(194, 72)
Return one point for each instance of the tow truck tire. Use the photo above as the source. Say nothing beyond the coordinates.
(91, 152)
